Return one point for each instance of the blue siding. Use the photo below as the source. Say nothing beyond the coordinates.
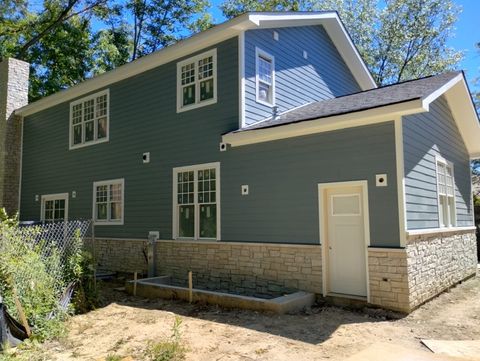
(426, 135)
(299, 81)
(283, 178)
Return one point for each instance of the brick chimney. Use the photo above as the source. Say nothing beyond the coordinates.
(13, 95)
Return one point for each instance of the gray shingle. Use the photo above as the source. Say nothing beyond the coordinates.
(374, 98)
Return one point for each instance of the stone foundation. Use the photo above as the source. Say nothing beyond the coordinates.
(223, 266)
(403, 279)
(439, 261)
(399, 279)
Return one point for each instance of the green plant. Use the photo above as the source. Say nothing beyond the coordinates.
(171, 349)
(113, 358)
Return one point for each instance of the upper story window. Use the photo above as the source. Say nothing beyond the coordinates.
(446, 193)
(265, 77)
(89, 119)
(196, 212)
(108, 201)
(197, 81)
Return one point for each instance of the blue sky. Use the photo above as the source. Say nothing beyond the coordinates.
(467, 33)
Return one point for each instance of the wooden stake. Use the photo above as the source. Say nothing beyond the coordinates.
(190, 286)
(135, 275)
(21, 313)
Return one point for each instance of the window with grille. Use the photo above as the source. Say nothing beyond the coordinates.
(197, 81)
(265, 77)
(446, 194)
(89, 120)
(196, 210)
(108, 200)
(54, 208)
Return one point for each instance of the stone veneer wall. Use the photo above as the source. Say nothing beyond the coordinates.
(388, 278)
(403, 279)
(255, 268)
(13, 95)
(438, 261)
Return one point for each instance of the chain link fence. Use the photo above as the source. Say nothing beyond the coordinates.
(37, 256)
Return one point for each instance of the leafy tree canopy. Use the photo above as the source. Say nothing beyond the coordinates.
(67, 41)
(398, 39)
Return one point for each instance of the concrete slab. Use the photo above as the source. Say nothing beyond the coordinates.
(393, 352)
(469, 348)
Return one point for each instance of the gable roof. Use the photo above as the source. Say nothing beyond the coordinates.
(253, 20)
(387, 95)
(369, 107)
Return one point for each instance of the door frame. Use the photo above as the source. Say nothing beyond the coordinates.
(323, 221)
(49, 197)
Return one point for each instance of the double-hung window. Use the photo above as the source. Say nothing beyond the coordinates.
(54, 208)
(196, 213)
(89, 119)
(446, 193)
(197, 81)
(265, 77)
(108, 201)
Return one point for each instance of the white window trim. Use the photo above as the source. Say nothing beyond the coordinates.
(70, 128)
(94, 215)
(50, 197)
(439, 159)
(198, 103)
(194, 168)
(261, 53)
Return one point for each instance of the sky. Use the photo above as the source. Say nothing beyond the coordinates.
(467, 34)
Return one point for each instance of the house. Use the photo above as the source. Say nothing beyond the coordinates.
(263, 157)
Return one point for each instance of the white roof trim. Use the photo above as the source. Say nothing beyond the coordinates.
(198, 42)
(456, 92)
(349, 120)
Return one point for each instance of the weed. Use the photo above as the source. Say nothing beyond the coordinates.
(113, 358)
(171, 349)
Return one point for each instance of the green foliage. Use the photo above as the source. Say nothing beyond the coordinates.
(476, 200)
(168, 350)
(398, 39)
(37, 272)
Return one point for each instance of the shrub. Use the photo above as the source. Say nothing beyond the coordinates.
(39, 274)
(171, 349)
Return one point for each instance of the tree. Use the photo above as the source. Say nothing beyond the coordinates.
(67, 41)
(398, 39)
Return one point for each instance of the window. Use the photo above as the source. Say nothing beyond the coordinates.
(108, 201)
(54, 208)
(89, 120)
(196, 213)
(265, 77)
(446, 193)
(197, 81)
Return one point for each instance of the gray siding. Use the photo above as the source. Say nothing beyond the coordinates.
(299, 81)
(426, 135)
(143, 118)
(282, 205)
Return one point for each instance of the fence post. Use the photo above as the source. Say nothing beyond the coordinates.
(94, 255)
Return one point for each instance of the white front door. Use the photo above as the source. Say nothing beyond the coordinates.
(346, 247)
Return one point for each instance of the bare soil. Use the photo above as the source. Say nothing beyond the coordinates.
(125, 325)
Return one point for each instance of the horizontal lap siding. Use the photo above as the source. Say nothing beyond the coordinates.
(283, 177)
(143, 118)
(298, 81)
(426, 135)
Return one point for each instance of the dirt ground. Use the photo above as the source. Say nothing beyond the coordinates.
(125, 325)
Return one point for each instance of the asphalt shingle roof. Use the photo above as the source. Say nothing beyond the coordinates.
(374, 98)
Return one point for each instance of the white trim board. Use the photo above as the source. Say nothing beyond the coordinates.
(418, 232)
(210, 37)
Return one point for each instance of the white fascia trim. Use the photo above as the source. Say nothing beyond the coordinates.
(417, 232)
(440, 91)
(241, 80)
(400, 168)
(369, 116)
(201, 41)
(335, 30)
